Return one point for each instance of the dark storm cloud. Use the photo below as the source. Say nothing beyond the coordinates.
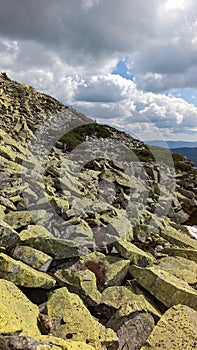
(112, 26)
(68, 48)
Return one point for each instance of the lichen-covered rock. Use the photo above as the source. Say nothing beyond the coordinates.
(113, 298)
(34, 231)
(17, 314)
(20, 219)
(167, 288)
(180, 237)
(8, 236)
(120, 228)
(40, 343)
(72, 320)
(82, 283)
(7, 203)
(109, 270)
(175, 330)
(137, 256)
(22, 274)
(180, 267)
(187, 253)
(33, 257)
(39, 238)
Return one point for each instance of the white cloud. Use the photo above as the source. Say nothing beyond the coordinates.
(69, 48)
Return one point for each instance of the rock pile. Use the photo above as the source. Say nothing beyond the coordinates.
(93, 250)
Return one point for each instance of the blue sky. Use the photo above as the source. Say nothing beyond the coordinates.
(131, 64)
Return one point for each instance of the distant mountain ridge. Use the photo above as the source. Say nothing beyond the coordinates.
(172, 144)
(190, 153)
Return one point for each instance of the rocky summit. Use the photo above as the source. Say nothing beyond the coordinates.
(95, 250)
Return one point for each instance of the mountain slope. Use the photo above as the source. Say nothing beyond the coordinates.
(85, 212)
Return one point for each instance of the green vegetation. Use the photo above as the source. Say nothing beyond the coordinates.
(144, 154)
(76, 136)
(181, 163)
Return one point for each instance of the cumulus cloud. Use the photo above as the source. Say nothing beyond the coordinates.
(69, 49)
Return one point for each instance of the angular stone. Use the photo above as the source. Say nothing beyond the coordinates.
(39, 238)
(182, 268)
(23, 275)
(175, 330)
(187, 253)
(18, 315)
(8, 236)
(32, 257)
(7, 203)
(34, 231)
(120, 228)
(79, 232)
(109, 270)
(129, 251)
(180, 237)
(113, 298)
(71, 319)
(20, 219)
(131, 328)
(122, 179)
(82, 283)
(167, 288)
(2, 212)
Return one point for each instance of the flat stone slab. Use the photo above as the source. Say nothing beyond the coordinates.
(129, 251)
(167, 288)
(180, 267)
(188, 253)
(23, 275)
(32, 257)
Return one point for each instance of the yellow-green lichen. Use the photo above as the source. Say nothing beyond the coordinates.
(17, 314)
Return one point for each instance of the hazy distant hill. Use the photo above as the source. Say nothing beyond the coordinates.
(190, 153)
(172, 144)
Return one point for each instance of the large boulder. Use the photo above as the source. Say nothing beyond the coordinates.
(17, 314)
(113, 298)
(82, 283)
(72, 320)
(175, 330)
(188, 253)
(40, 238)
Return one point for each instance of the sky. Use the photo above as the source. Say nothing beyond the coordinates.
(131, 64)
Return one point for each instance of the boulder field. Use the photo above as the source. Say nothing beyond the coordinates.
(94, 247)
